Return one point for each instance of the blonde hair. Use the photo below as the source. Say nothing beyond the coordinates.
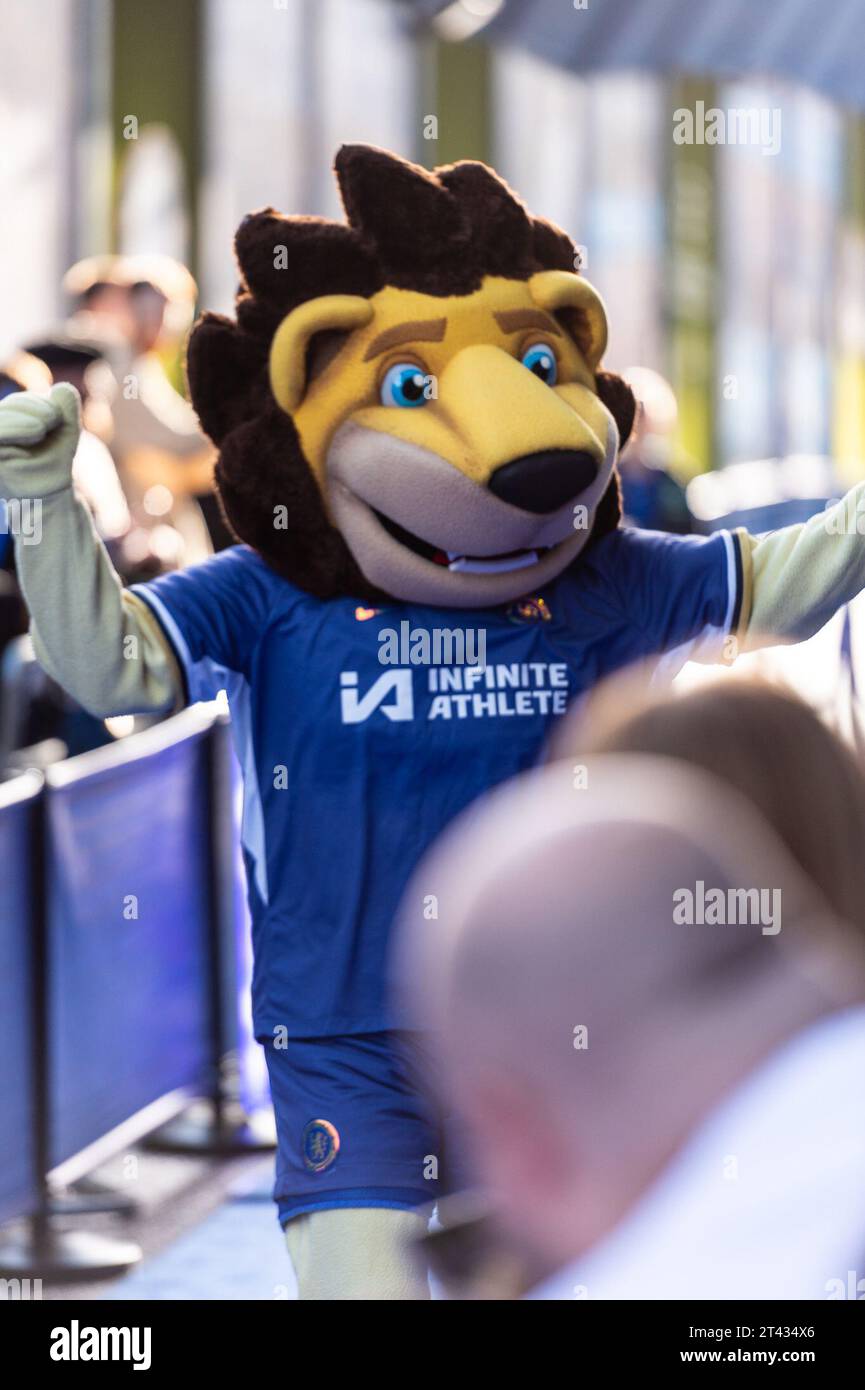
(769, 745)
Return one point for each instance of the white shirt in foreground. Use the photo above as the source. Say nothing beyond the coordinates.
(765, 1200)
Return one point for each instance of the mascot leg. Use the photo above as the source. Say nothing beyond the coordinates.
(358, 1253)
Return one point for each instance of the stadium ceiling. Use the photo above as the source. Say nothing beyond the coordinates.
(820, 45)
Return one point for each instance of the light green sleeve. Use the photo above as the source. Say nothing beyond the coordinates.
(102, 644)
(795, 579)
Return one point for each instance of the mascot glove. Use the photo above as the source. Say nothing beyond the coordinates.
(38, 439)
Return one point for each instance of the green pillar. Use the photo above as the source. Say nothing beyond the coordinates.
(157, 57)
(848, 366)
(690, 282)
(455, 95)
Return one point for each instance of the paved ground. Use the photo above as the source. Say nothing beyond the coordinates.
(207, 1228)
(237, 1252)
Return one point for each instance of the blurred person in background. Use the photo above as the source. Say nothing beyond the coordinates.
(761, 739)
(138, 308)
(660, 1107)
(94, 472)
(652, 495)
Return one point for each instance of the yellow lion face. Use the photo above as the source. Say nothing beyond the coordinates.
(459, 443)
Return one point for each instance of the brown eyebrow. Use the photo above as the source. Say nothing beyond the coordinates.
(512, 320)
(418, 330)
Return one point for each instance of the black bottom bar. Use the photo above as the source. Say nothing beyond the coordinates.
(198, 1340)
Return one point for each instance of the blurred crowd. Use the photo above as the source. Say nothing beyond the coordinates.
(143, 464)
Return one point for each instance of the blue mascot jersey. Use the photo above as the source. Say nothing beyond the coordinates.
(352, 766)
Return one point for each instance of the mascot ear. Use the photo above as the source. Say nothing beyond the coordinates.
(288, 349)
(554, 290)
(619, 399)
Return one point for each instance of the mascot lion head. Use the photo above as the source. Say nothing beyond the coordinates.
(410, 405)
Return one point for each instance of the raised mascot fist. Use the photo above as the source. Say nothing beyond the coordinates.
(38, 439)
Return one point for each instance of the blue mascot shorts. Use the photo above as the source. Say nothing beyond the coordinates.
(353, 1129)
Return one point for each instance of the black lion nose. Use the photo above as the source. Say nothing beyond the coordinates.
(544, 481)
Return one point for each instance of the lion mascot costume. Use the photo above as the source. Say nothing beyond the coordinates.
(417, 456)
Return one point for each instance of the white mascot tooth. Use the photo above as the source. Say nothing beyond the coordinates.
(464, 564)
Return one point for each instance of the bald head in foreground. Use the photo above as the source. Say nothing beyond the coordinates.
(651, 1023)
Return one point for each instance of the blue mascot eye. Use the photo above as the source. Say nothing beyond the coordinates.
(404, 385)
(541, 360)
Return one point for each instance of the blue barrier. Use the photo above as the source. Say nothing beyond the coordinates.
(119, 973)
(18, 1181)
(239, 1079)
(128, 903)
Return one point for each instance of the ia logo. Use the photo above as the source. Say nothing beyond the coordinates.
(394, 684)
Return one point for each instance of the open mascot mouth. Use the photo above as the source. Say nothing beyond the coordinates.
(424, 530)
(459, 563)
